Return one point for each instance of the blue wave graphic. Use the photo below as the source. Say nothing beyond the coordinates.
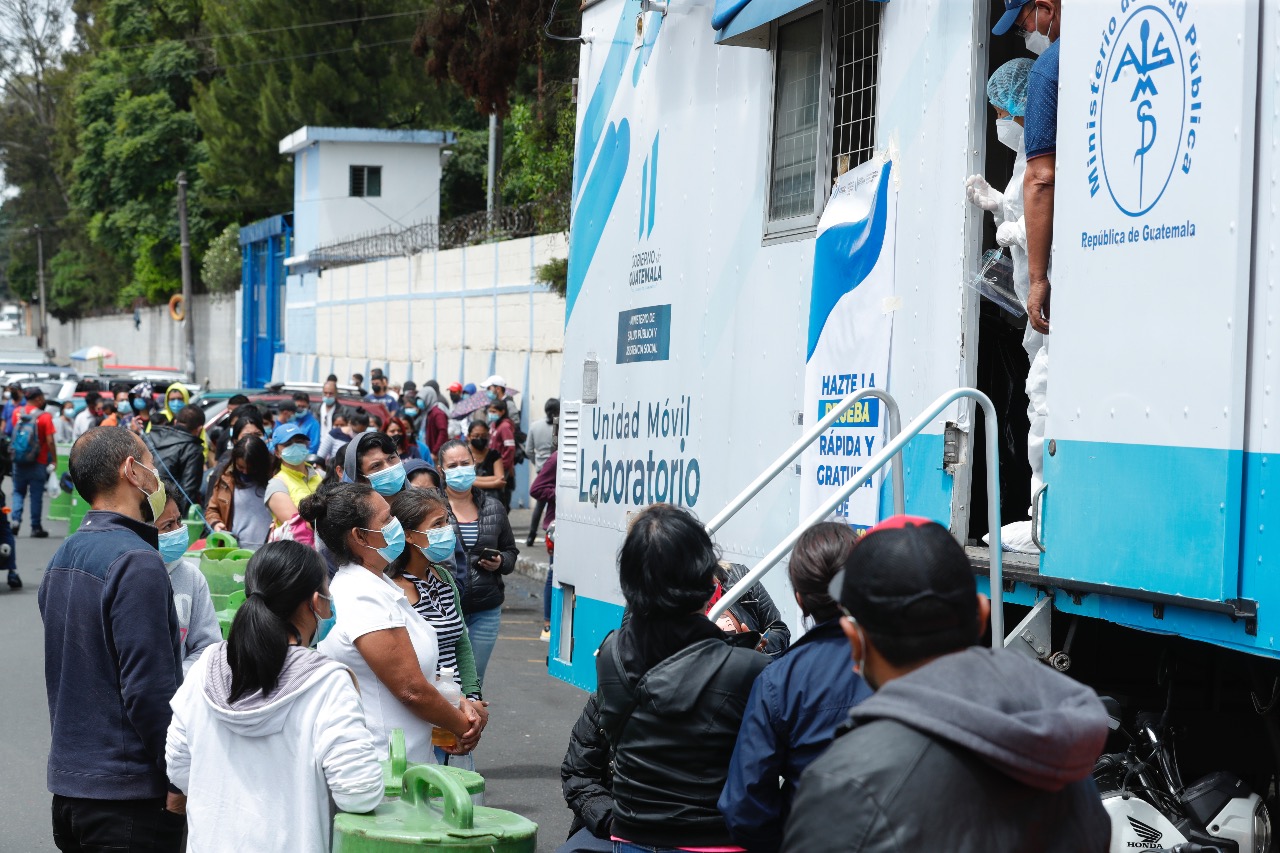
(597, 110)
(844, 256)
(592, 214)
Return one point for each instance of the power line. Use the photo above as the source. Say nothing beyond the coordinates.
(242, 33)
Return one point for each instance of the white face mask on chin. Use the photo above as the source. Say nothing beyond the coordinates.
(1037, 42)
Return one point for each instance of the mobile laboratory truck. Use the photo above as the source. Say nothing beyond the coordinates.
(725, 292)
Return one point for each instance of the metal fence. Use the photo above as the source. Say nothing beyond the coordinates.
(507, 223)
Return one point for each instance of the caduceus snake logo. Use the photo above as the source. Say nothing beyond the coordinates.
(1154, 56)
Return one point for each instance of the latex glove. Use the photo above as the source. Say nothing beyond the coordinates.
(981, 193)
(1012, 233)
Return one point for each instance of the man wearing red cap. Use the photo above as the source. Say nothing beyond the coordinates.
(961, 748)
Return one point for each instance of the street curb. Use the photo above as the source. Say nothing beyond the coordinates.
(532, 569)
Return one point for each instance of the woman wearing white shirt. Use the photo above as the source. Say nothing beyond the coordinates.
(266, 730)
(391, 649)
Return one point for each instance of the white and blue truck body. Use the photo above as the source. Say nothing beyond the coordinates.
(692, 294)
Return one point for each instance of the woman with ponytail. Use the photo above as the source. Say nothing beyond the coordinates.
(266, 730)
(393, 651)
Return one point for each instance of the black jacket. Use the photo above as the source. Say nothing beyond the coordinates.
(179, 457)
(586, 774)
(757, 611)
(673, 732)
(974, 752)
(484, 590)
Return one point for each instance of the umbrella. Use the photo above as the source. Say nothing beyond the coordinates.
(94, 352)
(474, 403)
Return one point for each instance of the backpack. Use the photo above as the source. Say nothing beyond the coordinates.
(25, 444)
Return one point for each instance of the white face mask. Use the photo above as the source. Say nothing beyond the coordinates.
(1037, 42)
(1009, 132)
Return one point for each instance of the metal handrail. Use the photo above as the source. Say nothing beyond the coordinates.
(804, 441)
(877, 462)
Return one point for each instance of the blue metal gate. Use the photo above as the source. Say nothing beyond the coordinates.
(264, 245)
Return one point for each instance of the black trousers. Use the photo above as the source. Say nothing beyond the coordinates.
(98, 826)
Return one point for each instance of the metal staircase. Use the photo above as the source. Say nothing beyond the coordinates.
(898, 438)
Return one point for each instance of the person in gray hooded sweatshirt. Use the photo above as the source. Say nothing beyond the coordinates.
(961, 748)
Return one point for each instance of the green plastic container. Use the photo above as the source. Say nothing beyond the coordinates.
(394, 768)
(195, 525)
(60, 507)
(79, 506)
(224, 569)
(415, 822)
(226, 615)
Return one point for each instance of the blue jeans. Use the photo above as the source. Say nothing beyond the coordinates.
(30, 476)
(482, 627)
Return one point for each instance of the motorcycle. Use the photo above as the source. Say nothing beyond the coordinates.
(1150, 808)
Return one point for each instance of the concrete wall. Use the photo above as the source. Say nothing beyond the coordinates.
(159, 339)
(455, 316)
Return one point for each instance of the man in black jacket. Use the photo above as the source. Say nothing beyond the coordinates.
(961, 748)
(180, 452)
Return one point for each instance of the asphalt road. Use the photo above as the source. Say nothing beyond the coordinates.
(530, 715)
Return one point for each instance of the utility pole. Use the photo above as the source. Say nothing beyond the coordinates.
(43, 339)
(189, 329)
(495, 157)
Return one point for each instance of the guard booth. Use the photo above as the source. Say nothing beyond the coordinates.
(263, 247)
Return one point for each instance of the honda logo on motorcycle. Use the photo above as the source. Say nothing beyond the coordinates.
(1145, 106)
(1149, 837)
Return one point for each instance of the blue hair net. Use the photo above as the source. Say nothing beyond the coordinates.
(1007, 88)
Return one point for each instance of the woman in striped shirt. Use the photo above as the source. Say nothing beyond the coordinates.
(422, 572)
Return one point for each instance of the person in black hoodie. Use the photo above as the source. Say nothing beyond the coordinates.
(961, 748)
(672, 688)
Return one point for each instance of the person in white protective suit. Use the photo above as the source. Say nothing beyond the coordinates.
(1007, 92)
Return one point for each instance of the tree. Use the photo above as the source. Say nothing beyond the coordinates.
(134, 131)
(285, 73)
(220, 269)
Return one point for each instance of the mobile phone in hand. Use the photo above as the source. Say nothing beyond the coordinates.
(490, 554)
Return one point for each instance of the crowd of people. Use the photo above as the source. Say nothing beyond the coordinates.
(377, 577)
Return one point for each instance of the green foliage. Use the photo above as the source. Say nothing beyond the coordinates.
(221, 267)
(555, 274)
(81, 278)
(462, 184)
(251, 105)
(538, 164)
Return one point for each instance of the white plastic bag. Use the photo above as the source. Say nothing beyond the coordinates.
(52, 483)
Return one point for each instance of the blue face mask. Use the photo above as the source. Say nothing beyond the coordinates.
(460, 479)
(139, 404)
(440, 543)
(174, 544)
(323, 625)
(410, 411)
(393, 533)
(175, 406)
(491, 394)
(329, 401)
(388, 481)
(493, 417)
(294, 454)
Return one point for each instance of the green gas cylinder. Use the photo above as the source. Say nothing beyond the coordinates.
(394, 768)
(224, 569)
(195, 524)
(60, 507)
(228, 613)
(451, 825)
(75, 515)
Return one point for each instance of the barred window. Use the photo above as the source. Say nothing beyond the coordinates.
(853, 126)
(365, 181)
(797, 102)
